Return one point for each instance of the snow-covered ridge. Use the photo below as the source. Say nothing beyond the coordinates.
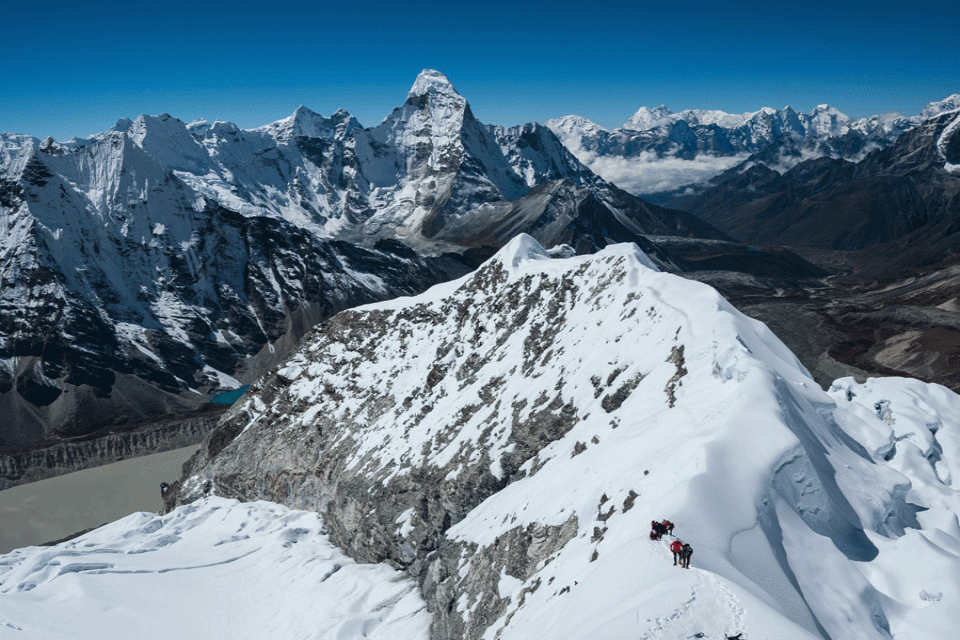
(948, 145)
(508, 437)
(950, 103)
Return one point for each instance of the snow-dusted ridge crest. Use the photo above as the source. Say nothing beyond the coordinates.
(506, 438)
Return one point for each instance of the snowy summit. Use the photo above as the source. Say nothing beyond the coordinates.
(431, 81)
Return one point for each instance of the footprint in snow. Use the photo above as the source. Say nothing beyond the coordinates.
(709, 611)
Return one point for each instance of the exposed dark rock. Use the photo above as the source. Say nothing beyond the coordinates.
(21, 467)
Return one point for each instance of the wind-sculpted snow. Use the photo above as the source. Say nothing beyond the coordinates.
(508, 437)
(191, 574)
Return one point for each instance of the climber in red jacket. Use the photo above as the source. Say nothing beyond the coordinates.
(667, 527)
(676, 546)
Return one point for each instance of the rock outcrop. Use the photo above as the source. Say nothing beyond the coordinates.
(65, 457)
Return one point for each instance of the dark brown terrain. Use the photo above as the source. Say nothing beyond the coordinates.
(886, 229)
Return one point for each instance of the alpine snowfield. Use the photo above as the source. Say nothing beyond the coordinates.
(214, 569)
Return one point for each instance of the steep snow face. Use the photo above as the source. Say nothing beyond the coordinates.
(508, 437)
(646, 118)
(948, 145)
(113, 265)
(214, 569)
(539, 157)
(431, 81)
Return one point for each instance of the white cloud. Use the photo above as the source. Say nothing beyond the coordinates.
(647, 173)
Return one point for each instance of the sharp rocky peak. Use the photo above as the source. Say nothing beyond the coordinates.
(123, 124)
(432, 82)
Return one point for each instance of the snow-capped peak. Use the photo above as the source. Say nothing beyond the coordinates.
(168, 141)
(646, 118)
(713, 116)
(303, 122)
(950, 103)
(431, 81)
(573, 124)
(306, 123)
(827, 121)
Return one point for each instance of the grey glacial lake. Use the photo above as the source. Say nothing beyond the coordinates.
(55, 508)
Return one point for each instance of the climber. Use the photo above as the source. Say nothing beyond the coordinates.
(667, 526)
(657, 529)
(685, 554)
(676, 546)
(653, 535)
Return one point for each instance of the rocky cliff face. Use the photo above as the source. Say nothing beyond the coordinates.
(508, 435)
(67, 457)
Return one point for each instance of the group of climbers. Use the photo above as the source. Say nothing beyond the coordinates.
(660, 529)
(681, 551)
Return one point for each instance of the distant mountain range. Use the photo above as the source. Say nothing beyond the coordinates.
(657, 150)
(899, 206)
(148, 267)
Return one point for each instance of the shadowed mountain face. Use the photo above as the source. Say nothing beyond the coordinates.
(888, 227)
(147, 268)
(899, 207)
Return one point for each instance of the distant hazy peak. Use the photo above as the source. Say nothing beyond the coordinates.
(646, 118)
(950, 103)
(568, 124)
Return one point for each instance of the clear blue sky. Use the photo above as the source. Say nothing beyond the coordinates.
(72, 68)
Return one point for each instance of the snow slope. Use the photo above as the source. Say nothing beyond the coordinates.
(508, 437)
(214, 569)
